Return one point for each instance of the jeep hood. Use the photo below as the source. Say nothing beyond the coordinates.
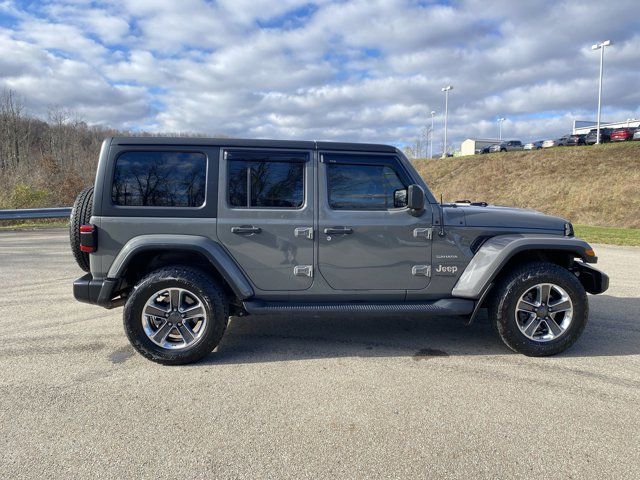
(507, 217)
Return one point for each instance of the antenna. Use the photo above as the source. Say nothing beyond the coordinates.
(441, 232)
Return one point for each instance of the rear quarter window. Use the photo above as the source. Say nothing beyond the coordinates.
(159, 179)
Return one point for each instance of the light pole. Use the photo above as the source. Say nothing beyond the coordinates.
(600, 46)
(433, 114)
(500, 120)
(446, 115)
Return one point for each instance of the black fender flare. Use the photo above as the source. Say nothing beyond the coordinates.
(494, 254)
(218, 257)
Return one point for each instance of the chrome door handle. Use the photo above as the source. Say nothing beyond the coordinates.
(246, 230)
(338, 231)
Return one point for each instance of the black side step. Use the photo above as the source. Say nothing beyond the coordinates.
(449, 306)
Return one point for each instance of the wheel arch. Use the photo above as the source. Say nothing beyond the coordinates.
(145, 253)
(502, 253)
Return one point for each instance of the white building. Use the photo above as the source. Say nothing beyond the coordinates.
(473, 145)
(585, 126)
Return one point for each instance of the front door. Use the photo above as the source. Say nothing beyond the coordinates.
(364, 241)
(266, 214)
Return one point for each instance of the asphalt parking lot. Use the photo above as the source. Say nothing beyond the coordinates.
(296, 397)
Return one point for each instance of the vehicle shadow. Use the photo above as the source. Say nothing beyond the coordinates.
(612, 330)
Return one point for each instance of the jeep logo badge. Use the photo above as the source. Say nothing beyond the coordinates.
(446, 269)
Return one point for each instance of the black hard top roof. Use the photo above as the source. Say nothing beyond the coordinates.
(238, 142)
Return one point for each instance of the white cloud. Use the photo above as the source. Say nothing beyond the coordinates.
(360, 70)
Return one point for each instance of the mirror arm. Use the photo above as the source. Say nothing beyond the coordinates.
(414, 212)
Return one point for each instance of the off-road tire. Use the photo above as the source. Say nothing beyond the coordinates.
(214, 300)
(80, 215)
(507, 292)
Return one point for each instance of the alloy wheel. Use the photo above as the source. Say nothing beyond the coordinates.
(174, 318)
(544, 312)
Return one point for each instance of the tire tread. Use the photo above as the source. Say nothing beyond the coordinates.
(80, 215)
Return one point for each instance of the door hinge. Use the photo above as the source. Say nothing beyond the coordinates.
(423, 232)
(303, 271)
(303, 232)
(421, 270)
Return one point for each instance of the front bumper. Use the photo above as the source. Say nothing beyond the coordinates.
(87, 289)
(593, 280)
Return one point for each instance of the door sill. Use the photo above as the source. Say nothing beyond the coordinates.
(448, 306)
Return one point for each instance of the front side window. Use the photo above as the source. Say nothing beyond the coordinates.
(362, 187)
(159, 179)
(265, 179)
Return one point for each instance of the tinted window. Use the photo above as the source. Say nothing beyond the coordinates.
(265, 180)
(362, 187)
(159, 179)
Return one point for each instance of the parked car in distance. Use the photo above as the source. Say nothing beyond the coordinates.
(592, 136)
(574, 140)
(560, 142)
(622, 134)
(508, 146)
(636, 136)
(533, 145)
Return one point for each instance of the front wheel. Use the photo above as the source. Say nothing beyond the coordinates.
(176, 315)
(539, 309)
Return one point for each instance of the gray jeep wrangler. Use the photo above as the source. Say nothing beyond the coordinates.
(186, 232)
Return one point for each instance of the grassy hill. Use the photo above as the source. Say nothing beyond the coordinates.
(596, 185)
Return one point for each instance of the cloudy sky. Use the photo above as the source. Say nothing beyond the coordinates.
(368, 70)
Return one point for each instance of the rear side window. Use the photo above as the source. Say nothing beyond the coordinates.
(265, 179)
(362, 187)
(159, 179)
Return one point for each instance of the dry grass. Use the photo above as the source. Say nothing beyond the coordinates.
(596, 185)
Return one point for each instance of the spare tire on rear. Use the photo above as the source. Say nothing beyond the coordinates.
(80, 215)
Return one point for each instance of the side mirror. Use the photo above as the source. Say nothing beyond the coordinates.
(411, 197)
(415, 199)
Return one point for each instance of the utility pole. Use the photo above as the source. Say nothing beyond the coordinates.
(600, 46)
(500, 120)
(446, 116)
(433, 114)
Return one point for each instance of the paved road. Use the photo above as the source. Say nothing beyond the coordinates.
(290, 397)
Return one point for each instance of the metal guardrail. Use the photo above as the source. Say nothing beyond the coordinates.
(35, 213)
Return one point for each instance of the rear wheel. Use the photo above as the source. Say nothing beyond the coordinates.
(539, 309)
(176, 315)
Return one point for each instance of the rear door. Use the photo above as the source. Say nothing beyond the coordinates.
(266, 214)
(364, 241)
